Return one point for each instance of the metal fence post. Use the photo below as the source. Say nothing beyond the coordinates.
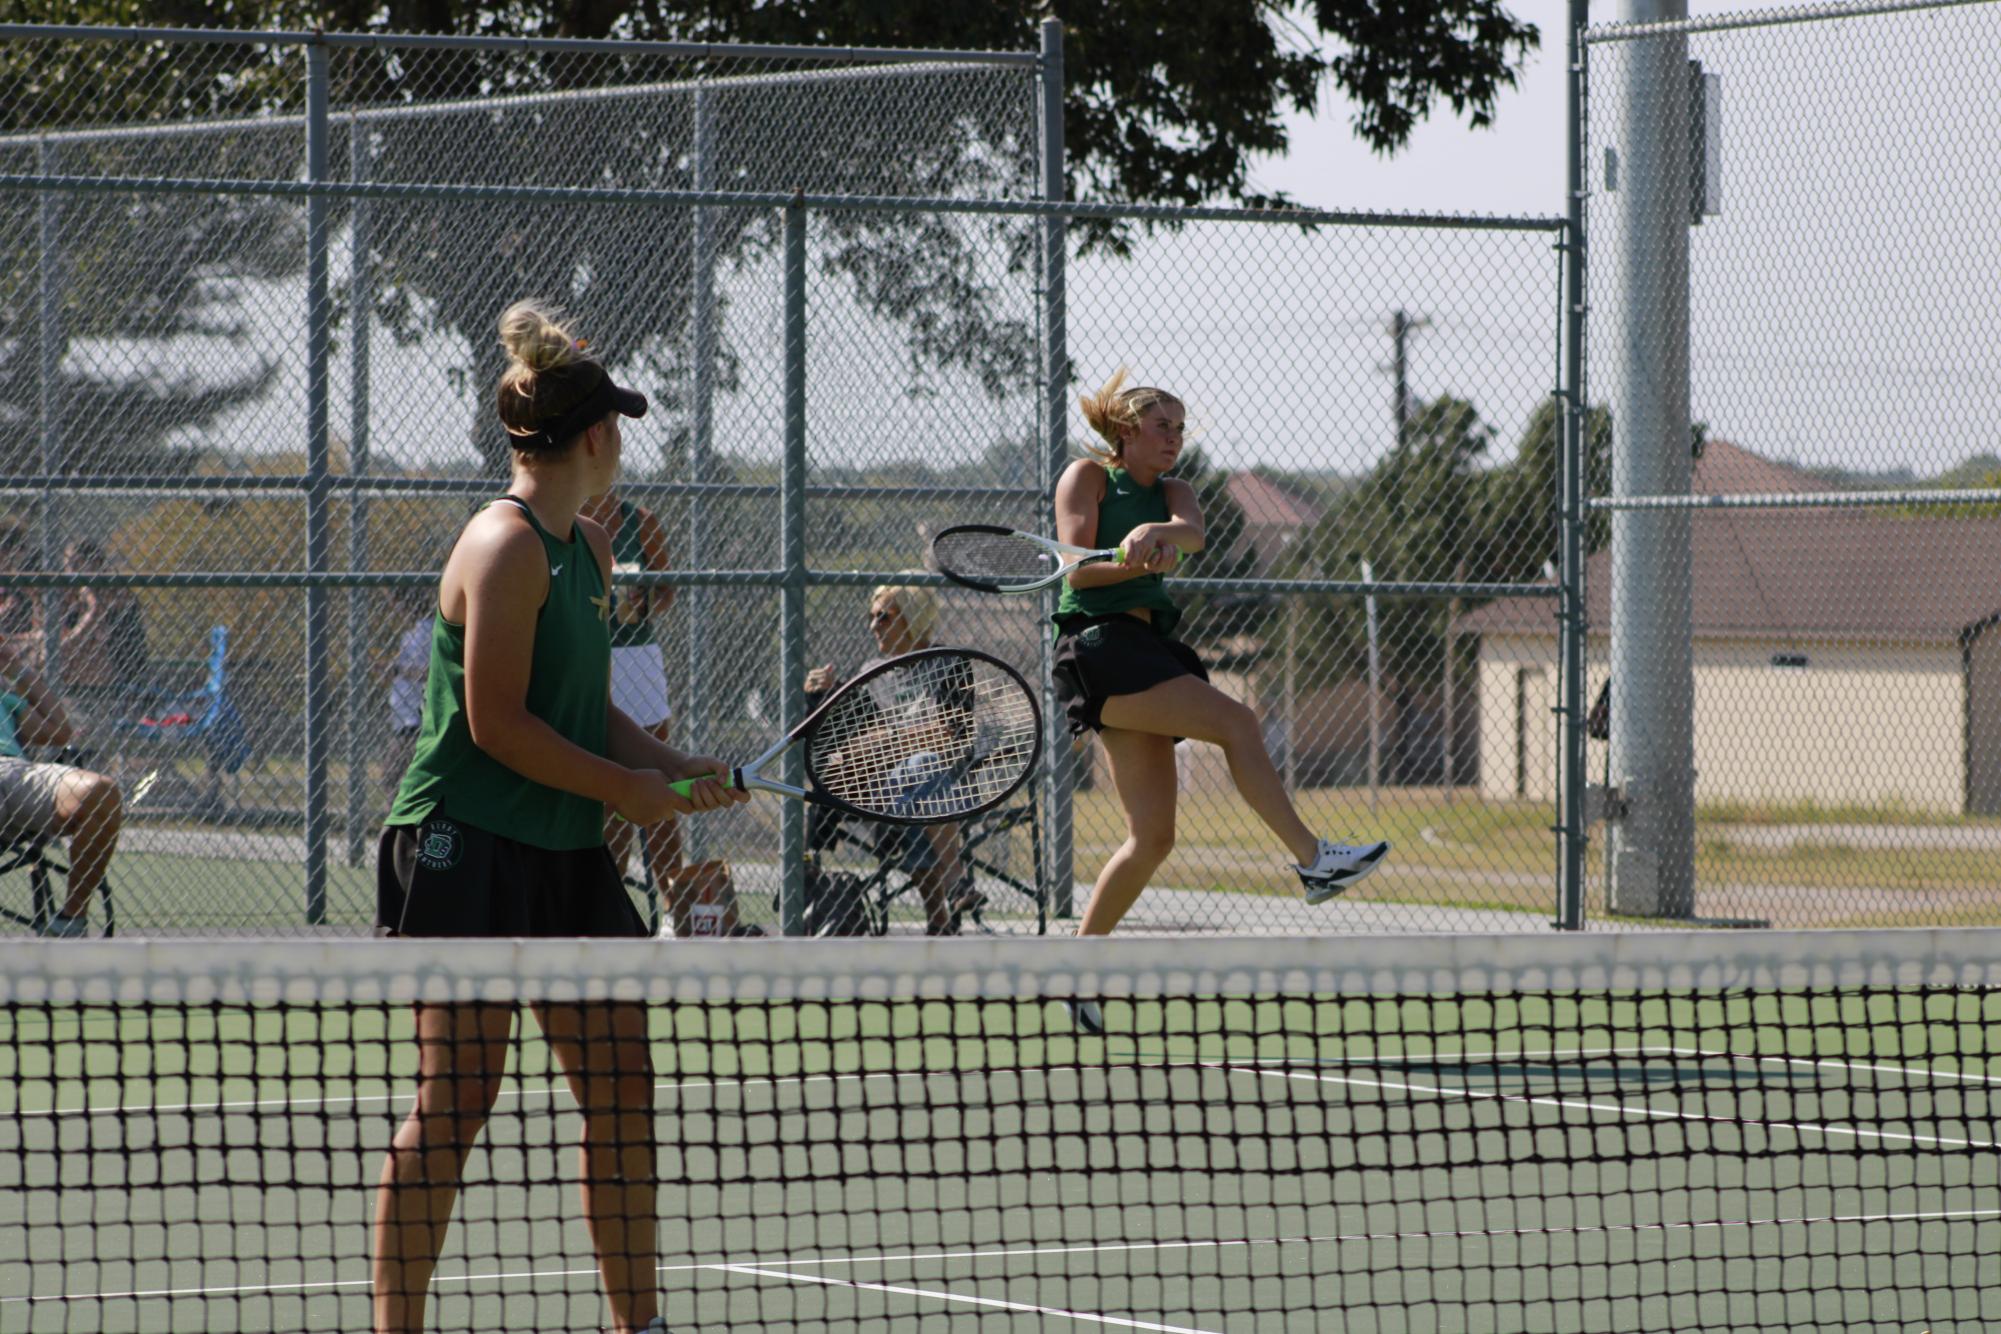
(360, 299)
(792, 557)
(701, 430)
(50, 282)
(318, 716)
(1059, 775)
(1571, 625)
(1653, 749)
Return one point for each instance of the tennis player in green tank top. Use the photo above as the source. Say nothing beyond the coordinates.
(498, 827)
(1120, 672)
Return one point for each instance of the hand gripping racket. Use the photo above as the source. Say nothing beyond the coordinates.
(924, 738)
(1002, 560)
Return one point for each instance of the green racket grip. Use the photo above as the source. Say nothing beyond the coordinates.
(686, 786)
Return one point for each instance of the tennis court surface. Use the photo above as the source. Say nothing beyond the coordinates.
(1769, 1131)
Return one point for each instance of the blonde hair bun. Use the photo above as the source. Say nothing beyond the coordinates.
(536, 336)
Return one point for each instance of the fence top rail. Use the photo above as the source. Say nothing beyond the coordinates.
(1800, 500)
(1607, 33)
(565, 45)
(350, 114)
(561, 194)
(774, 578)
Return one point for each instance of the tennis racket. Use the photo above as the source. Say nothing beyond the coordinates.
(1002, 560)
(924, 738)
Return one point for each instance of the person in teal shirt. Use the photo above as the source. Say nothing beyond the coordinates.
(1121, 673)
(59, 800)
(498, 826)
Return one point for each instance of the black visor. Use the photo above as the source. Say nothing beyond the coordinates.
(606, 397)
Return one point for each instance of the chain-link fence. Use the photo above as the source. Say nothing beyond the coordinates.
(1794, 566)
(246, 360)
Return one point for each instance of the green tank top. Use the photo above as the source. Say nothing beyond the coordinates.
(628, 547)
(1125, 507)
(569, 687)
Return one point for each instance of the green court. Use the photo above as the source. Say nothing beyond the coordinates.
(1564, 1160)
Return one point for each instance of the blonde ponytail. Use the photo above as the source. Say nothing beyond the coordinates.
(1115, 408)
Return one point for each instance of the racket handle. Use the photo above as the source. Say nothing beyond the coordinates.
(686, 786)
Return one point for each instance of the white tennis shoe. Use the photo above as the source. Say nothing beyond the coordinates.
(58, 927)
(1339, 865)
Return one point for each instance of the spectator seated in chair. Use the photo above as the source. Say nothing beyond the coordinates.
(54, 800)
(902, 619)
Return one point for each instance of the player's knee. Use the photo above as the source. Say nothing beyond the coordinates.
(454, 1111)
(1239, 724)
(1152, 843)
(98, 806)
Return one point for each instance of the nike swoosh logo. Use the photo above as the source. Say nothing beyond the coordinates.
(555, 571)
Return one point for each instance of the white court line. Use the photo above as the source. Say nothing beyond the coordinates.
(1083, 1317)
(1824, 1064)
(911, 1257)
(783, 1081)
(523, 1095)
(1616, 1108)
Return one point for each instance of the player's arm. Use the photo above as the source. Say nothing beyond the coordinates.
(1157, 547)
(636, 748)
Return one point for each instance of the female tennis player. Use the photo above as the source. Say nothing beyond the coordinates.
(498, 826)
(1122, 674)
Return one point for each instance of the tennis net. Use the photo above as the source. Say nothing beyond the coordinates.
(1769, 1131)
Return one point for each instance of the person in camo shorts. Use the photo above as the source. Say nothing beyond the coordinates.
(59, 800)
(498, 826)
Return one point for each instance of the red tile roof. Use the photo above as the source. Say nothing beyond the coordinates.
(1863, 573)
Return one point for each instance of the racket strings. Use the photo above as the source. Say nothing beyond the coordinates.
(1000, 557)
(932, 739)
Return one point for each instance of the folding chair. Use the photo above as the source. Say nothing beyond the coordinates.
(844, 902)
(202, 722)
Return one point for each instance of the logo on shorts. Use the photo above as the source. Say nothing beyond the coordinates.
(439, 845)
(1093, 636)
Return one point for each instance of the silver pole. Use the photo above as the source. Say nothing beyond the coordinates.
(319, 717)
(360, 736)
(1375, 691)
(1059, 776)
(701, 429)
(792, 556)
(50, 282)
(1570, 510)
(1653, 758)
(1293, 733)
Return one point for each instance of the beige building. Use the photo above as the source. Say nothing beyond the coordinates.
(1843, 658)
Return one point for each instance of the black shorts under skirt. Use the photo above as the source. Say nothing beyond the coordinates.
(1114, 655)
(445, 878)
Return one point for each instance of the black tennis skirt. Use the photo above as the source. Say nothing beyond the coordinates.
(445, 878)
(1101, 656)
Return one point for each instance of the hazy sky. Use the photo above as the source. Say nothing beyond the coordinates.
(1842, 307)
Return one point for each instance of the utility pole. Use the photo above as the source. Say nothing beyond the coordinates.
(1401, 324)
